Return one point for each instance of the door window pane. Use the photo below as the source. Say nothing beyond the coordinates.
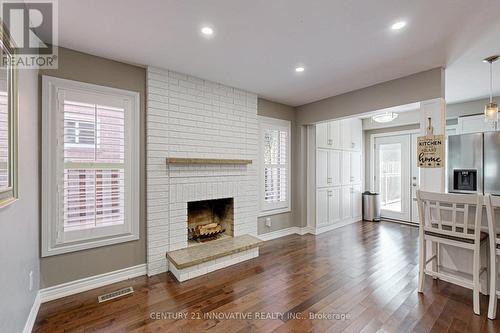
(390, 176)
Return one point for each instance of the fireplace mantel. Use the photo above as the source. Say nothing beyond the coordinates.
(188, 160)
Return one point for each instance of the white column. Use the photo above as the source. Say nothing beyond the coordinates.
(433, 179)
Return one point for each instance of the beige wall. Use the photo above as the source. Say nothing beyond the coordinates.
(19, 221)
(76, 265)
(410, 89)
(280, 111)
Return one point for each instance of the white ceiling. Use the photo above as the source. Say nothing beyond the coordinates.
(344, 45)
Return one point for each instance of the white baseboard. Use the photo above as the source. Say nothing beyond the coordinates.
(333, 227)
(279, 233)
(81, 285)
(285, 232)
(28, 327)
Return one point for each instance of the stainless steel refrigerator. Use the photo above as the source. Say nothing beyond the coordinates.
(474, 163)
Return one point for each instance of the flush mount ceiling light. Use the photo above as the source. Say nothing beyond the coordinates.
(386, 117)
(491, 109)
(398, 25)
(299, 69)
(207, 31)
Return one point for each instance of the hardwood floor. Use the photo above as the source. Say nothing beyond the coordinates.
(363, 275)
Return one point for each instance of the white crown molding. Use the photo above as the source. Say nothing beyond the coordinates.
(78, 286)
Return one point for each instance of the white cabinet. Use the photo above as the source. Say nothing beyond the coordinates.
(351, 167)
(328, 135)
(321, 207)
(334, 205)
(473, 124)
(328, 167)
(351, 134)
(339, 166)
(328, 207)
(321, 167)
(346, 168)
(356, 202)
(334, 168)
(346, 205)
(322, 139)
(356, 167)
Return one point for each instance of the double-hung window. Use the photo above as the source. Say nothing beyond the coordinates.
(90, 166)
(274, 166)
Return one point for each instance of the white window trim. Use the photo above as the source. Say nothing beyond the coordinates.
(283, 125)
(51, 88)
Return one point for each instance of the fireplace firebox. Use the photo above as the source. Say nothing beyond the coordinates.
(210, 219)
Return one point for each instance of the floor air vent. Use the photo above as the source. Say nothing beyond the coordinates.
(115, 294)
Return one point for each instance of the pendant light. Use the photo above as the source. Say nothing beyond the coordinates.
(491, 109)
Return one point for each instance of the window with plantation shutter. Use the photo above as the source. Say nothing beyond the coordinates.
(275, 165)
(90, 166)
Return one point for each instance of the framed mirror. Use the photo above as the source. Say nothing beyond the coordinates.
(8, 121)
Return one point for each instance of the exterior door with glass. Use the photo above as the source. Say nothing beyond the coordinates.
(391, 175)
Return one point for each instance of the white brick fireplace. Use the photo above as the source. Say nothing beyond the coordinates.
(195, 118)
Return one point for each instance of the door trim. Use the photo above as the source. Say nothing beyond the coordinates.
(372, 151)
(373, 138)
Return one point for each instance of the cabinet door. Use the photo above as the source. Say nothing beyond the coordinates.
(321, 207)
(346, 168)
(473, 124)
(345, 134)
(356, 167)
(334, 205)
(321, 168)
(356, 201)
(356, 134)
(345, 203)
(335, 134)
(334, 167)
(322, 135)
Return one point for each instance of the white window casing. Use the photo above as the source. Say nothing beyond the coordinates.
(274, 166)
(90, 166)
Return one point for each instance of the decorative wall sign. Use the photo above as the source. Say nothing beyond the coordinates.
(430, 151)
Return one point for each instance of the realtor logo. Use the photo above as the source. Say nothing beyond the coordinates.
(32, 30)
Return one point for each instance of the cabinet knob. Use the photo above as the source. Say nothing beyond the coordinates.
(353, 145)
(328, 180)
(330, 142)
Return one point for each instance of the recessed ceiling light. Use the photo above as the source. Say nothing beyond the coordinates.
(299, 69)
(207, 31)
(386, 117)
(398, 25)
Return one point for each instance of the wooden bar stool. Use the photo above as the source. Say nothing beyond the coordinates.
(492, 205)
(444, 219)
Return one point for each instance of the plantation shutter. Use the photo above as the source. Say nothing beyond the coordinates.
(4, 142)
(93, 160)
(275, 177)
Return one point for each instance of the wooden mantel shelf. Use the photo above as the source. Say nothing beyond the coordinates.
(181, 160)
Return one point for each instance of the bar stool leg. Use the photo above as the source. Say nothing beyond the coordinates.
(492, 308)
(422, 259)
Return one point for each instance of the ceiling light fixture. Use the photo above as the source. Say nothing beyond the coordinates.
(398, 25)
(207, 31)
(386, 117)
(299, 69)
(491, 109)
